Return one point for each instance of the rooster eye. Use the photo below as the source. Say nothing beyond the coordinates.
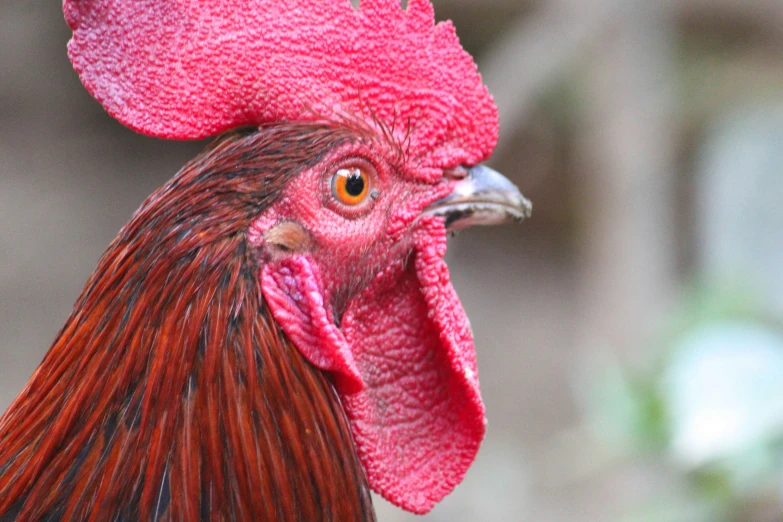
(350, 186)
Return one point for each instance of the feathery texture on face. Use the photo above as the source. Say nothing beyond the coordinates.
(187, 69)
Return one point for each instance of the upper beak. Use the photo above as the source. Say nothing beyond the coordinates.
(483, 197)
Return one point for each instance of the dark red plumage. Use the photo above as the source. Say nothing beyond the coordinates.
(170, 393)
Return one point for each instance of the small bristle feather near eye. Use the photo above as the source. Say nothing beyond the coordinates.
(288, 236)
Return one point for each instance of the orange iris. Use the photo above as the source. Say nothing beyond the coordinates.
(350, 185)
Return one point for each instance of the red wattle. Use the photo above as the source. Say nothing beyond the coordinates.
(418, 419)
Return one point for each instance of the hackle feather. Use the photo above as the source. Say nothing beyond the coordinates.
(170, 393)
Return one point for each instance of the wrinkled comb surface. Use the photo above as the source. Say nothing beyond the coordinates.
(188, 69)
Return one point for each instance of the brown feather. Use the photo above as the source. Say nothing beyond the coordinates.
(170, 393)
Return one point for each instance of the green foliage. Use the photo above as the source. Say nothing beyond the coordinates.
(709, 403)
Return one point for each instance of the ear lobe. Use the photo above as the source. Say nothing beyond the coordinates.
(288, 237)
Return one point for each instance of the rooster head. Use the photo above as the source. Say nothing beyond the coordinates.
(351, 250)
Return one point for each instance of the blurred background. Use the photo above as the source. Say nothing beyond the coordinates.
(630, 334)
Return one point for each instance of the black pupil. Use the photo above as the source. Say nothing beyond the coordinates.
(354, 185)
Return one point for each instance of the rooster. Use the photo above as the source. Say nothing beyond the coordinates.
(274, 333)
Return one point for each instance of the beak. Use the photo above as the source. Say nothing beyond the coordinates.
(483, 197)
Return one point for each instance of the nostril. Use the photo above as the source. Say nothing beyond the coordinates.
(456, 173)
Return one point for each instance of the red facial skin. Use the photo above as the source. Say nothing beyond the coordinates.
(352, 243)
(368, 299)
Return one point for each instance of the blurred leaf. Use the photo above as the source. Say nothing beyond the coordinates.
(713, 483)
(625, 410)
(708, 304)
(724, 392)
(752, 473)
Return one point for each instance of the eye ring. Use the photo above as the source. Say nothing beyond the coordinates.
(351, 185)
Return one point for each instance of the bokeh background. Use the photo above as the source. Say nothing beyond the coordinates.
(629, 334)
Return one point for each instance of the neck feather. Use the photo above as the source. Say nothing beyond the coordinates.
(171, 393)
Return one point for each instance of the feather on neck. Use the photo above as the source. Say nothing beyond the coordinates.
(170, 393)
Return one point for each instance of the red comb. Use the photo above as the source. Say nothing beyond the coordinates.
(187, 69)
